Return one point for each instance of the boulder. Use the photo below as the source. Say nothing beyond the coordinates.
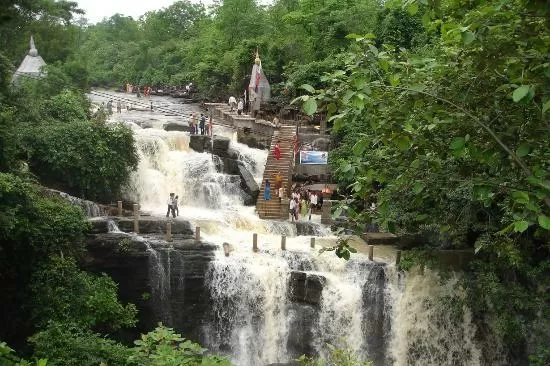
(248, 200)
(175, 126)
(233, 154)
(220, 145)
(306, 287)
(230, 166)
(248, 184)
(199, 143)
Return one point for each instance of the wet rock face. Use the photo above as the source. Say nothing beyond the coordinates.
(151, 226)
(302, 320)
(376, 325)
(221, 145)
(305, 287)
(176, 126)
(248, 184)
(200, 143)
(165, 282)
(126, 261)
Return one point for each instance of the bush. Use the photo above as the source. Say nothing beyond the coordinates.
(65, 344)
(64, 293)
(89, 160)
(164, 347)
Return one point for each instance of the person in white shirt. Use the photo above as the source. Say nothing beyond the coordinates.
(292, 209)
(240, 107)
(170, 203)
(312, 203)
(232, 103)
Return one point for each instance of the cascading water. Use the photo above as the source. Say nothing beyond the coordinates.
(274, 305)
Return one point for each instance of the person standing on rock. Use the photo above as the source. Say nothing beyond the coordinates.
(240, 107)
(277, 151)
(232, 103)
(170, 204)
(118, 107)
(175, 204)
(202, 123)
(292, 209)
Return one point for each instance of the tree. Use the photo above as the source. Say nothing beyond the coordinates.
(94, 161)
(452, 140)
(63, 293)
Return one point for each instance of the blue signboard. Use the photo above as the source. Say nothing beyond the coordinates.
(313, 157)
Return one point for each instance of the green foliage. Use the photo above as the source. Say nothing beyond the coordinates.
(342, 249)
(338, 356)
(66, 106)
(453, 137)
(417, 257)
(92, 160)
(164, 347)
(67, 344)
(64, 293)
(30, 224)
(8, 358)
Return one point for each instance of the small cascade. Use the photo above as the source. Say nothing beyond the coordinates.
(112, 226)
(166, 273)
(430, 328)
(90, 209)
(253, 159)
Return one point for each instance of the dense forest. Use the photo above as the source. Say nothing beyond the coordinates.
(440, 114)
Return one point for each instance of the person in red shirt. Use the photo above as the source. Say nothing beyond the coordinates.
(277, 151)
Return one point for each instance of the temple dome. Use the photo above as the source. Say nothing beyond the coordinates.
(32, 64)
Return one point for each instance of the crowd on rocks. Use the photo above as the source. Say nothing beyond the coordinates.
(198, 126)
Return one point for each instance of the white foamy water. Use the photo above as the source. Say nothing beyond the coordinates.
(362, 305)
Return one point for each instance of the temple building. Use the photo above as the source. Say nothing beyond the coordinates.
(31, 65)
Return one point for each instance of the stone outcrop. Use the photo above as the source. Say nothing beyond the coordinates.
(220, 145)
(306, 287)
(166, 281)
(228, 163)
(200, 143)
(176, 126)
(248, 184)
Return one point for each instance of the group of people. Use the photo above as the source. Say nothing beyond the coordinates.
(304, 203)
(239, 106)
(129, 88)
(279, 191)
(172, 206)
(199, 125)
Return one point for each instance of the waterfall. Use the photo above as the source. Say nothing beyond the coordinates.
(273, 305)
(431, 328)
(249, 303)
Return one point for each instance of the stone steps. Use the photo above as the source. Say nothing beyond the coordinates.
(272, 209)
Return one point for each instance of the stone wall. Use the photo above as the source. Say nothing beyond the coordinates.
(166, 281)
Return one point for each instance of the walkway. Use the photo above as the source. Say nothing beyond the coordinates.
(272, 209)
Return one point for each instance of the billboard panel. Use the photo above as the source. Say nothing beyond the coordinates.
(313, 157)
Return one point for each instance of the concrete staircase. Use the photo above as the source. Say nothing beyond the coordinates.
(272, 209)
